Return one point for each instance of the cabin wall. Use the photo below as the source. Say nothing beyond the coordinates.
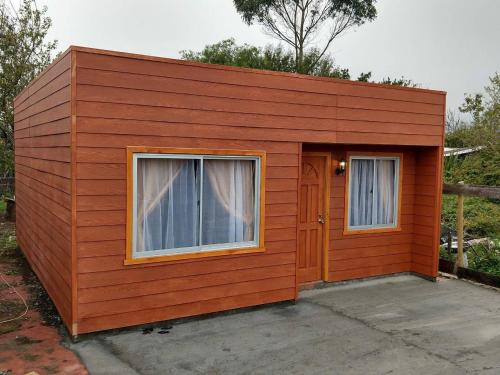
(126, 100)
(42, 133)
(414, 248)
(241, 103)
(427, 211)
(74, 122)
(116, 109)
(355, 256)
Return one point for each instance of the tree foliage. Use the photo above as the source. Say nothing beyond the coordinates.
(24, 53)
(227, 52)
(302, 23)
(276, 58)
(398, 82)
(481, 167)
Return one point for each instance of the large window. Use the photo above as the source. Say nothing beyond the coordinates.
(373, 193)
(192, 203)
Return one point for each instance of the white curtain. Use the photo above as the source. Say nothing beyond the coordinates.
(372, 192)
(228, 201)
(360, 192)
(167, 203)
(384, 198)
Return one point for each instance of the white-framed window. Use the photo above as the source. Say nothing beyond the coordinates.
(194, 203)
(373, 192)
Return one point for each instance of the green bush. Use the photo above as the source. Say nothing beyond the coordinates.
(482, 167)
(481, 257)
(480, 216)
(485, 258)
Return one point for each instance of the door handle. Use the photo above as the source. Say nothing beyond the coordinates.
(321, 219)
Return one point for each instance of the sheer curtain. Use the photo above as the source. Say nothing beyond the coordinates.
(167, 203)
(361, 192)
(372, 192)
(228, 201)
(384, 198)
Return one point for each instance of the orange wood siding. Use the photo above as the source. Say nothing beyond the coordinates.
(427, 212)
(415, 247)
(130, 101)
(241, 102)
(42, 133)
(71, 178)
(116, 109)
(355, 256)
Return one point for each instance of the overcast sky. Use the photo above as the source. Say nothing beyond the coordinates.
(450, 45)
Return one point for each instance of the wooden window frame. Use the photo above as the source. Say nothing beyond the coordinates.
(259, 248)
(361, 154)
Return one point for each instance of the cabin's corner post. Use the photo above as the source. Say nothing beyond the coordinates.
(299, 154)
(326, 235)
(437, 221)
(74, 254)
(439, 192)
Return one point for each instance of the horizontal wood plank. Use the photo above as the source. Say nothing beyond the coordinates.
(190, 309)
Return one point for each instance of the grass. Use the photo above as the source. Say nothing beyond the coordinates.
(12, 262)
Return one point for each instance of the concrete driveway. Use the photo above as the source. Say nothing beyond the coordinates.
(396, 325)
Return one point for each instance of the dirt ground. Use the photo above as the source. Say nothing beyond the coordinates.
(33, 342)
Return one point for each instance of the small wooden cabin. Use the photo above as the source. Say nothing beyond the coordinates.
(149, 188)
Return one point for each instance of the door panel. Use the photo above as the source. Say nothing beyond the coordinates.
(311, 213)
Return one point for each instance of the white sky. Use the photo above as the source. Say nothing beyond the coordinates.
(450, 45)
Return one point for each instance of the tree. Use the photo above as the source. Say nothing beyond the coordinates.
(473, 104)
(481, 167)
(24, 53)
(398, 82)
(276, 58)
(299, 23)
(227, 52)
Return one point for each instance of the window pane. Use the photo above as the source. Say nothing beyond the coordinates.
(228, 201)
(167, 203)
(360, 192)
(385, 192)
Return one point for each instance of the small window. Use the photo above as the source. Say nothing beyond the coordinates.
(194, 203)
(373, 192)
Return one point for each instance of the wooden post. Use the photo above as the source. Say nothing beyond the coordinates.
(460, 230)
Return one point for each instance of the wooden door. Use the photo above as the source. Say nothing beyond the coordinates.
(312, 217)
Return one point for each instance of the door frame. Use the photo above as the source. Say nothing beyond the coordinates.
(326, 203)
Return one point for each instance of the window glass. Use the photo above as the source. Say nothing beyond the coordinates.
(194, 203)
(167, 203)
(228, 201)
(384, 199)
(373, 192)
(361, 192)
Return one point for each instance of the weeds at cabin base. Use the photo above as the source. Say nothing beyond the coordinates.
(14, 263)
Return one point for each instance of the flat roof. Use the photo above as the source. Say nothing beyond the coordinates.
(225, 67)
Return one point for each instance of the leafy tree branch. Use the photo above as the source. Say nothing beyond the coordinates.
(24, 53)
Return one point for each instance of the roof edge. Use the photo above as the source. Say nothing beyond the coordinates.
(44, 71)
(240, 69)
